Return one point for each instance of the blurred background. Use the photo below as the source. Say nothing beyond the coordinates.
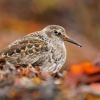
(80, 18)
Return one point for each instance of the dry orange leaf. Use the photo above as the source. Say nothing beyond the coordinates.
(86, 67)
(89, 68)
(76, 69)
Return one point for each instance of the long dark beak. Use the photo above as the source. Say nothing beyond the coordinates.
(68, 39)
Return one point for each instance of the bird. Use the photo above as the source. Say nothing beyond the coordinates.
(44, 48)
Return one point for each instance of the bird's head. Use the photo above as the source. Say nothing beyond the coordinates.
(56, 30)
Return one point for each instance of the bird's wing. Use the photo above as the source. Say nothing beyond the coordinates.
(25, 50)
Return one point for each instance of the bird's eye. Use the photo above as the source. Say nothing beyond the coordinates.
(55, 31)
(59, 33)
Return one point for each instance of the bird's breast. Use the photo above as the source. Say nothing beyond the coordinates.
(58, 51)
(56, 56)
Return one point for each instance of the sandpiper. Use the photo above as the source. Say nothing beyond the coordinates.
(44, 48)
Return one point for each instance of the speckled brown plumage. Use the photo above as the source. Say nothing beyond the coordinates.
(43, 48)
